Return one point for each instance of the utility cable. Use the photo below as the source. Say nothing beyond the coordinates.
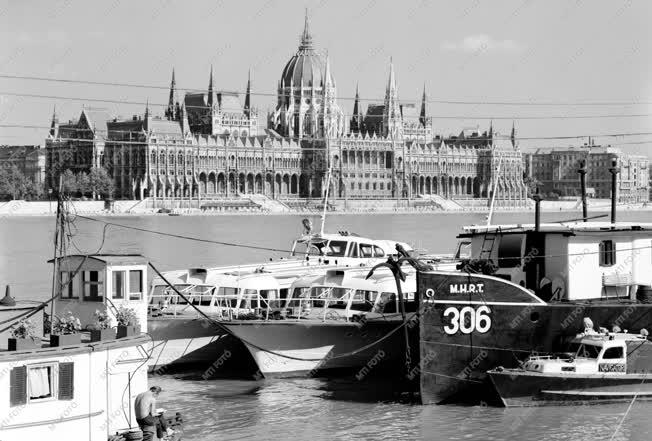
(345, 115)
(274, 94)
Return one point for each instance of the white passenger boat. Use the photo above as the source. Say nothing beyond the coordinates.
(183, 336)
(334, 321)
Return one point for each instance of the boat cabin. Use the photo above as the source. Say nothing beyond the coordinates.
(347, 294)
(344, 248)
(564, 261)
(592, 354)
(83, 391)
(104, 282)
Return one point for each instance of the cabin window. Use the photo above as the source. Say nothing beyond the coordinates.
(613, 353)
(366, 250)
(67, 278)
(118, 286)
(588, 351)
(607, 253)
(463, 250)
(378, 251)
(283, 293)
(135, 284)
(336, 248)
(40, 382)
(509, 250)
(91, 285)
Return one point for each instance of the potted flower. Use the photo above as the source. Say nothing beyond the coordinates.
(128, 324)
(23, 336)
(103, 330)
(65, 331)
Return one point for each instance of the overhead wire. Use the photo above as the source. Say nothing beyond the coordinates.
(274, 94)
(470, 140)
(344, 114)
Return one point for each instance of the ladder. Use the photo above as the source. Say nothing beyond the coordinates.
(487, 247)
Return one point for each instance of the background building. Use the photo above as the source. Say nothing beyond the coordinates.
(556, 171)
(209, 145)
(29, 159)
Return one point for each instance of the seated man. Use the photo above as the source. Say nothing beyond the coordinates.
(145, 408)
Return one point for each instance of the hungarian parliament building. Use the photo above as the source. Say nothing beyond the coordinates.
(211, 145)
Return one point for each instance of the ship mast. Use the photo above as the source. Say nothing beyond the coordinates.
(58, 243)
(328, 186)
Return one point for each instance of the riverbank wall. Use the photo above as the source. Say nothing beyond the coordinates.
(258, 205)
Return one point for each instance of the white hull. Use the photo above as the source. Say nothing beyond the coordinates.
(271, 365)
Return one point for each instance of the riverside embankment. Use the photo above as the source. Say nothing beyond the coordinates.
(252, 206)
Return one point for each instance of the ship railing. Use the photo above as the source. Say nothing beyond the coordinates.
(169, 302)
(301, 307)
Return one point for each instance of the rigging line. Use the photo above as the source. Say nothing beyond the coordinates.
(274, 94)
(226, 329)
(180, 236)
(298, 112)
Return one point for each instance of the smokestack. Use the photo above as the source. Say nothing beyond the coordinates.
(614, 170)
(582, 172)
(537, 198)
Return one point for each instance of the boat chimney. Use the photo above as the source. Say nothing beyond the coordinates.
(537, 198)
(582, 172)
(614, 170)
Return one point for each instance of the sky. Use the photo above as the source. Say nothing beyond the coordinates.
(523, 51)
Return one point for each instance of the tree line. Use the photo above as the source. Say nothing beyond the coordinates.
(95, 184)
(15, 185)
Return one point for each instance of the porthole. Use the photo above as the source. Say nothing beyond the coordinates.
(534, 317)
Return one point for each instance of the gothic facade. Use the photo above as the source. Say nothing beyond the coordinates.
(210, 145)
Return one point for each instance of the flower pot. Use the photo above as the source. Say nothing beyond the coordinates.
(102, 334)
(127, 331)
(64, 339)
(21, 344)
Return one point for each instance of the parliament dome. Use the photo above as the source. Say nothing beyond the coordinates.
(305, 68)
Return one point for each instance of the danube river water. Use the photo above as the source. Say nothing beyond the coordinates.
(312, 409)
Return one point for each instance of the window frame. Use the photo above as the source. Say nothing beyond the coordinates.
(90, 283)
(370, 247)
(621, 353)
(69, 289)
(135, 295)
(114, 285)
(607, 257)
(54, 382)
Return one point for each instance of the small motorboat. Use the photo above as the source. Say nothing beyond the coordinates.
(599, 367)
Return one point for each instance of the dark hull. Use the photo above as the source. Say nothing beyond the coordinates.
(454, 365)
(313, 348)
(187, 343)
(519, 388)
